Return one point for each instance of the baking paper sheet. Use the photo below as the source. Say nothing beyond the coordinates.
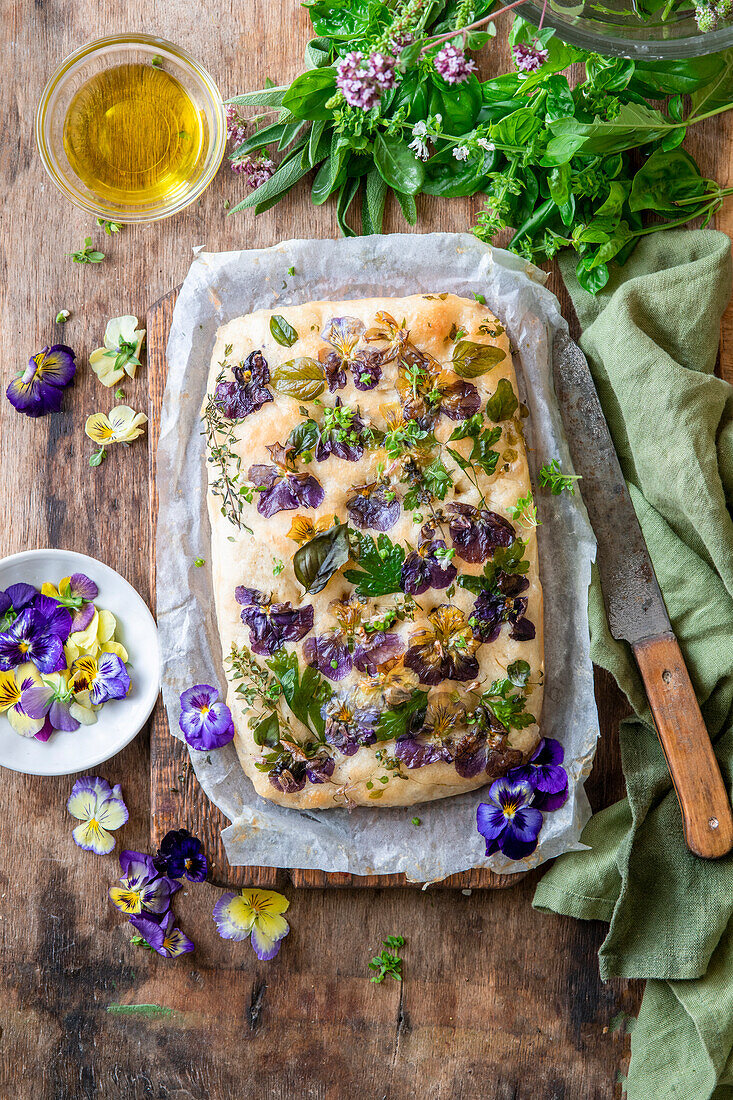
(222, 286)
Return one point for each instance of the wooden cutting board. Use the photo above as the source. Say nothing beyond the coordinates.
(176, 798)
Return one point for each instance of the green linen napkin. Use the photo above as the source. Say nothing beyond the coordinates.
(651, 339)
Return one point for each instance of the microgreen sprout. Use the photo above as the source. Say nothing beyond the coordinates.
(552, 478)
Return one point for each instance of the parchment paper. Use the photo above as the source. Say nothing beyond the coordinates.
(220, 287)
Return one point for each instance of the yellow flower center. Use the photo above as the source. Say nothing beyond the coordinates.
(24, 647)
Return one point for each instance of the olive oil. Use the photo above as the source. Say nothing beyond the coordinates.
(134, 136)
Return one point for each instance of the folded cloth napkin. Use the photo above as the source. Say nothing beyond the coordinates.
(651, 339)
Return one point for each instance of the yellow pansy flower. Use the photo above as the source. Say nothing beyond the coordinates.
(11, 685)
(97, 638)
(121, 426)
(255, 913)
(120, 354)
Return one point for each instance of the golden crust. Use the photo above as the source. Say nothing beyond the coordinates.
(241, 558)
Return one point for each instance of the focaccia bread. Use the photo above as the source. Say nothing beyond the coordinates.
(374, 550)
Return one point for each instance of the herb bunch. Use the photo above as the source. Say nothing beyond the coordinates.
(558, 165)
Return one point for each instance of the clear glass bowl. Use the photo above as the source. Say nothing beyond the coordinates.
(125, 49)
(611, 27)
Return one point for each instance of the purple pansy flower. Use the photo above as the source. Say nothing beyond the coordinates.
(144, 890)
(459, 400)
(347, 729)
(290, 775)
(75, 593)
(163, 938)
(503, 603)
(508, 821)
(374, 506)
(256, 914)
(545, 773)
(453, 65)
(57, 618)
(272, 624)
(416, 754)
(180, 855)
(366, 369)
(30, 639)
(281, 489)
(343, 334)
(331, 655)
(475, 533)
(40, 388)
(341, 434)
(205, 721)
(14, 600)
(104, 677)
(248, 391)
(425, 568)
(44, 701)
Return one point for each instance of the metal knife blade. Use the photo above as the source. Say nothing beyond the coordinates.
(634, 603)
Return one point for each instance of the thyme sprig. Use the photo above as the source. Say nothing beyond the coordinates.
(220, 439)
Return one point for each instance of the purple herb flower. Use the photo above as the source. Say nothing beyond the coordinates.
(502, 604)
(163, 938)
(528, 59)
(180, 855)
(508, 821)
(459, 400)
(256, 171)
(272, 624)
(144, 890)
(453, 65)
(206, 722)
(40, 388)
(320, 768)
(366, 369)
(343, 334)
(282, 490)
(545, 774)
(363, 80)
(426, 568)
(236, 125)
(375, 507)
(248, 391)
(476, 533)
(30, 639)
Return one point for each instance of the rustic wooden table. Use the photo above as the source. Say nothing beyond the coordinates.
(498, 1001)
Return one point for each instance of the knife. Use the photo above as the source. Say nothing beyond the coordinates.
(636, 610)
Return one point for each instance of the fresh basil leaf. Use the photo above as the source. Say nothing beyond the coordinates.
(453, 179)
(718, 93)
(517, 128)
(503, 402)
(316, 561)
(302, 378)
(380, 566)
(635, 124)
(482, 455)
(398, 165)
(283, 332)
(612, 74)
(458, 104)
(304, 437)
(654, 79)
(518, 672)
(470, 360)
(308, 94)
(267, 731)
(666, 177)
(591, 278)
(394, 723)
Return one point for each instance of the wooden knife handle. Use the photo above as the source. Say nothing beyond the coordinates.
(706, 810)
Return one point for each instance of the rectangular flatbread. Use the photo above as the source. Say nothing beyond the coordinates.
(374, 550)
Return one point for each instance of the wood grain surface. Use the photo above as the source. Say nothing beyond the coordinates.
(499, 1002)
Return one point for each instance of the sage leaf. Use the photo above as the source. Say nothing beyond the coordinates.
(471, 360)
(503, 402)
(317, 560)
(302, 378)
(284, 333)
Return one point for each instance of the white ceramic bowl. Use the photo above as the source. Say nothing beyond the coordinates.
(120, 719)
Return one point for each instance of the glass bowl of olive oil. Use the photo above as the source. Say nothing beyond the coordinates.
(131, 128)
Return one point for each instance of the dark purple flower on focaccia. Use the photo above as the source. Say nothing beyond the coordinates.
(247, 392)
(427, 567)
(374, 507)
(477, 532)
(282, 490)
(271, 625)
(502, 604)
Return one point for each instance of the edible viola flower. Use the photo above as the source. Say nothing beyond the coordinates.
(391, 685)
(320, 768)
(346, 728)
(75, 593)
(205, 721)
(366, 369)
(343, 334)
(303, 529)
(180, 855)
(481, 751)
(104, 677)
(66, 705)
(476, 532)
(501, 604)
(255, 913)
(144, 890)
(163, 938)
(375, 506)
(56, 618)
(248, 391)
(546, 775)
(12, 685)
(272, 624)
(459, 400)
(433, 742)
(29, 638)
(281, 489)
(341, 434)
(329, 653)
(427, 567)
(507, 821)
(100, 809)
(123, 341)
(13, 600)
(40, 388)
(98, 637)
(414, 753)
(121, 426)
(444, 650)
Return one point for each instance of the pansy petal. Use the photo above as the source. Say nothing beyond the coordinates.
(234, 918)
(104, 367)
(92, 838)
(85, 715)
(22, 723)
(116, 648)
(126, 900)
(21, 595)
(99, 429)
(266, 901)
(84, 586)
(177, 943)
(9, 690)
(113, 813)
(57, 366)
(265, 947)
(106, 626)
